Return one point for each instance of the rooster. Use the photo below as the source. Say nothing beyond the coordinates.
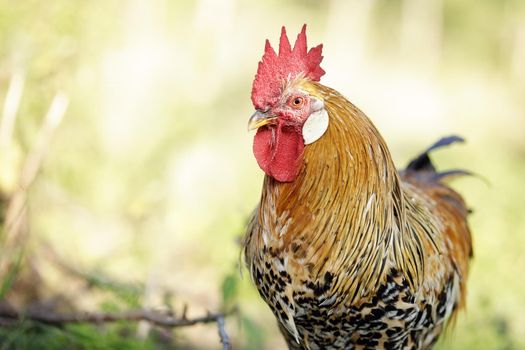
(348, 252)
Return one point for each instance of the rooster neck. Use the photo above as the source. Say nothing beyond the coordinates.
(349, 170)
(345, 209)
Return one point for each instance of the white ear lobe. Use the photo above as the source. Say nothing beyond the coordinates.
(315, 126)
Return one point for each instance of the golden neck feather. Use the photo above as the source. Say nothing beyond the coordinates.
(345, 210)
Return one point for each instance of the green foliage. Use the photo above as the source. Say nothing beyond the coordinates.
(253, 333)
(7, 280)
(230, 290)
(29, 335)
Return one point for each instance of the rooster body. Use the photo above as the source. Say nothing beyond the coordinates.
(348, 252)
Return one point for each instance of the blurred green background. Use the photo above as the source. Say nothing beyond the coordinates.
(143, 171)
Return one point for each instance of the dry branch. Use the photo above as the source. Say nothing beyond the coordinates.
(11, 106)
(15, 222)
(9, 316)
(225, 340)
(155, 317)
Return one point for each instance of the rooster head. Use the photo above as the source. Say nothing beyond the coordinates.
(289, 115)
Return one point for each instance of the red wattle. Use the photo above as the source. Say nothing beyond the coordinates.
(278, 150)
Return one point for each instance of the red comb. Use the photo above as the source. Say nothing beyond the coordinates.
(289, 63)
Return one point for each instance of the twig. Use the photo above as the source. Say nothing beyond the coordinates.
(11, 106)
(7, 322)
(16, 209)
(184, 311)
(154, 317)
(10, 317)
(225, 340)
(51, 121)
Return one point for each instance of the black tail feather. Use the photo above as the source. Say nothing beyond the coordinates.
(449, 174)
(423, 162)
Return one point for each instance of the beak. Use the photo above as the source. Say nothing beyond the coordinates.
(259, 119)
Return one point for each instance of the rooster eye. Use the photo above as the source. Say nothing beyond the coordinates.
(297, 102)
